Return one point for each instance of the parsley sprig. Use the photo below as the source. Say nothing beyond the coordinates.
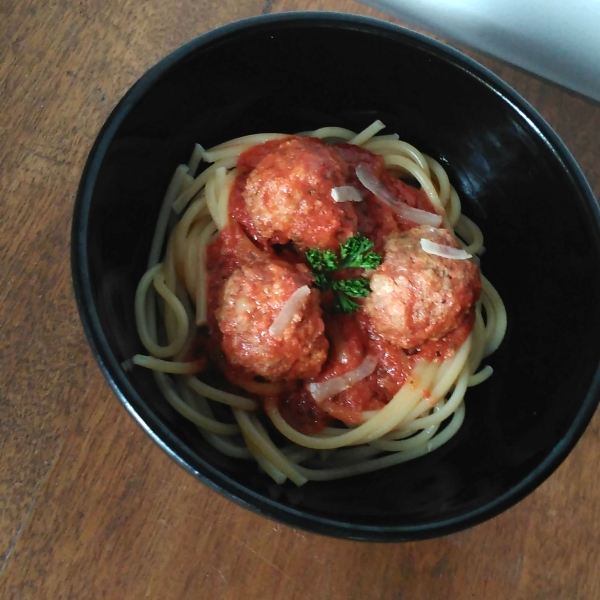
(355, 253)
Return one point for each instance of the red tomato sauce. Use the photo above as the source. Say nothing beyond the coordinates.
(351, 337)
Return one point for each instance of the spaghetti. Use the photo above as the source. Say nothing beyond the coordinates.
(173, 309)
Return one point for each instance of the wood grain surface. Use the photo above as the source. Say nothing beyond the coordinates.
(90, 507)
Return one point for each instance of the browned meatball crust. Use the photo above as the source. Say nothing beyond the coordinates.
(250, 301)
(417, 296)
(288, 195)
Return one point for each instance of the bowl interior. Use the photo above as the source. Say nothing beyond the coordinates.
(514, 178)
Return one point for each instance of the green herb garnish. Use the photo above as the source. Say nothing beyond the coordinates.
(355, 253)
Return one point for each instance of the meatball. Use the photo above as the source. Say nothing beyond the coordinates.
(288, 195)
(417, 296)
(250, 300)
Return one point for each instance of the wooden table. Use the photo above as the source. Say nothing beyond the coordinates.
(91, 508)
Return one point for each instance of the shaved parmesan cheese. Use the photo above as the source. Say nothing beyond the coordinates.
(346, 193)
(327, 389)
(416, 215)
(443, 251)
(288, 310)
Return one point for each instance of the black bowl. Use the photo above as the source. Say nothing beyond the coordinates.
(301, 71)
